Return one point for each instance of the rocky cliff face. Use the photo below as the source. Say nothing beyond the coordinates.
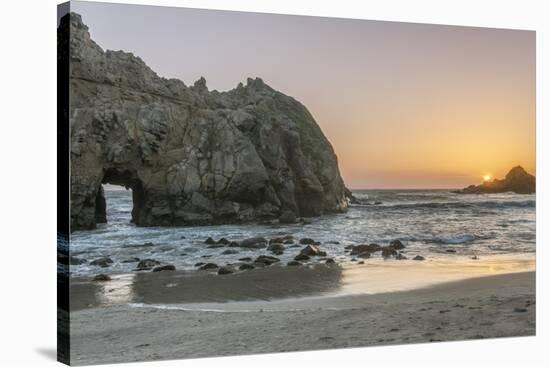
(190, 155)
(517, 180)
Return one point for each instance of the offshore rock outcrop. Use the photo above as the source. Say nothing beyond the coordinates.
(517, 180)
(190, 155)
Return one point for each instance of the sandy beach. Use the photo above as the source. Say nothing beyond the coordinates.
(217, 316)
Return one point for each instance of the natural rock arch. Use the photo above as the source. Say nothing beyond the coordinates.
(190, 155)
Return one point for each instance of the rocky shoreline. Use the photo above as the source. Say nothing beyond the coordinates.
(307, 252)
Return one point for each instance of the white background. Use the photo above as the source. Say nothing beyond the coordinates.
(28, 181)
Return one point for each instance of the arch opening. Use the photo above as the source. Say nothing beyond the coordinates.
(112, 191)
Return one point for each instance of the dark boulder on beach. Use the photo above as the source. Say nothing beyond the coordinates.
(147, 264)
(517, 181)
(190, 155)
(330, 261)
(307, 241)
(310, 250)
(209, 266)
(266, 260)
(246, 267)
(359, 249)
(388, 252)
(400, 256)
(419, 258)
(396, 244)
(294, 263)
(102, 262)
(168, 267)
(224, 270)
(301, 257)
(101, 278)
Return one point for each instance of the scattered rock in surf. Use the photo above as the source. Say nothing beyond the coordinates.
(388, 252)
(276, 240)
(266, 260)
(330, 261)
(76, 261)
(230, 252)
(287, 217)
(361, 262)
(147, 264)
(102, 262)
(276, 247)
(307, 241)
(102, 278)
(233, 244)
(288, 242)
(419, 258)
(400, 256)
(246, 267)
(245, 259)
(450, 251)
(210, 241)
(360, 249)
(310, 250)
(224, 270)
(168, 267)
(209, 266)
(254, 242)
(364, 255)
(304, 221)
(278, 252)
(198, 264)
(397, 244)
(333, 242)
(301, 257)
(223, 241)
(294, 263)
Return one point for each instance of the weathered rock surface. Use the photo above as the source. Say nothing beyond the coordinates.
(517, 180)
(191, 156)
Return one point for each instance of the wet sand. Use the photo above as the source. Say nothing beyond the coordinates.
(167, 316)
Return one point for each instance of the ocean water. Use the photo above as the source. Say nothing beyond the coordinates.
(436, 224)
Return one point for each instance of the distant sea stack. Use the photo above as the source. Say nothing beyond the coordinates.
(517, 180)
(191, 156)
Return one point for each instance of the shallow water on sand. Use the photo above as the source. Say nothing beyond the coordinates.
(436, 224)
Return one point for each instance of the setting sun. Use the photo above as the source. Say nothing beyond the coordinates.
(487, 178)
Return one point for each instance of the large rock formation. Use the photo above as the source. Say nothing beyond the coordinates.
(517, 180)
(190, 155)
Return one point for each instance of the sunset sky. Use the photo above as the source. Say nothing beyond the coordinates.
(404, 105)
